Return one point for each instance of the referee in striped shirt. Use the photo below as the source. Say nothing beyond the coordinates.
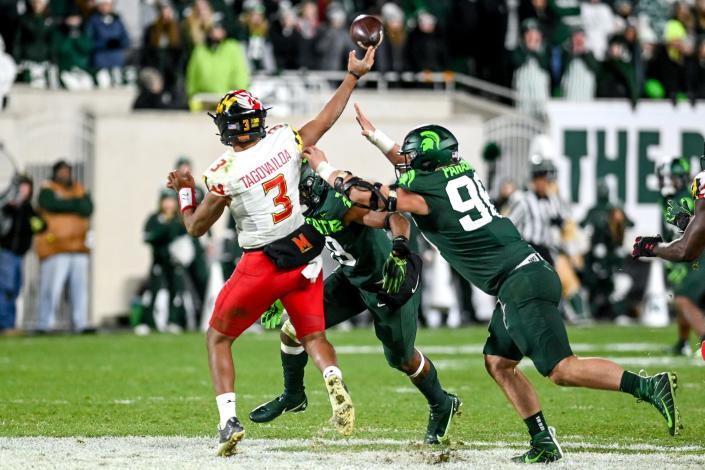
(541, 216)
(538, 214)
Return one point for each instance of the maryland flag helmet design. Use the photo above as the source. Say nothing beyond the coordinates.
(240, 118)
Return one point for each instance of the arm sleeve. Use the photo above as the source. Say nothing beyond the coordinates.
(49, 202)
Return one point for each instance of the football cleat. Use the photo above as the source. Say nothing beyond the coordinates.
(282, 404)
(343, 412)
(230, 435)
(544, 448)
(660, 391)
(439, 420)
(682, 348)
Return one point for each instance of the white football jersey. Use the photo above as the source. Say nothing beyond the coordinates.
(263, 184)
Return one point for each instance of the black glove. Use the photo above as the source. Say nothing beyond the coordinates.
(557, 221)
(395, 293)
(400, 246)
(644, 246)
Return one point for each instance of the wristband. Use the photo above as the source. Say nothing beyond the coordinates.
(187, 199)
(381, 140)
(325, 170)
(357, 77)
(400, 246)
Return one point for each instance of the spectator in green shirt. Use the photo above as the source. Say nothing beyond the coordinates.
(217, 66)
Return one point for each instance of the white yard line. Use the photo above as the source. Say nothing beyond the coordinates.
(476, 348)
(187, 453)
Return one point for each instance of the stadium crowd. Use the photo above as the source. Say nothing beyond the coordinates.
(577, 49)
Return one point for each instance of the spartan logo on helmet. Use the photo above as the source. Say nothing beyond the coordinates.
(428, 147)
(430, 141)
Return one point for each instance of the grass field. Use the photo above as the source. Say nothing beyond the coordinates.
(68, 402)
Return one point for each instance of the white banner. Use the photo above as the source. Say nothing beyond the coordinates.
(611, 140)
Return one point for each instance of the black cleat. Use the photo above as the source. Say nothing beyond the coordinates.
(282, 404)
(439, 420)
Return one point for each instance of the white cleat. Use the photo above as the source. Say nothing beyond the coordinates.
(343, 411)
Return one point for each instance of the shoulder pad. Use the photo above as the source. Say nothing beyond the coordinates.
(218, 178)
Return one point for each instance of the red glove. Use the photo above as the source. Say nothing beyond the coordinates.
(644, 246)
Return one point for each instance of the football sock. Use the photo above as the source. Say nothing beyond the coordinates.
(631, 383)
(576, 302)
(293, 366)
(536, 423)
(431, 388)
(680, 344)
(332, 370)
(226, 407)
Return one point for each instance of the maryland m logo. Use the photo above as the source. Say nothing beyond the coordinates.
(302, 243)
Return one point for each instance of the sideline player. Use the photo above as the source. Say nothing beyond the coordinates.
(367, 262)
(453, 211)
(257, 179)
(688, 247)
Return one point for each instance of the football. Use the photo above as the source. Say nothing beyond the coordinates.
(366, 31)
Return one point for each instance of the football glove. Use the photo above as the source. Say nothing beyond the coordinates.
(679, 213)
(400, 281)
(272, 316)
(644, 246)
(393, 274)
(394, 270)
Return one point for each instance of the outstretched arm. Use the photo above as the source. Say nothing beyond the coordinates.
(398, 225)
(405, 201)
(198, 218)
(385, 144)
(312, 131)
(691, 244)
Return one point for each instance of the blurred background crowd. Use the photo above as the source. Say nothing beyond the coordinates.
(175, 49)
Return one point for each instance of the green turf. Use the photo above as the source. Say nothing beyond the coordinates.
(119, 384)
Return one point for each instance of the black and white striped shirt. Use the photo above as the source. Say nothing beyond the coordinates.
(536, 218)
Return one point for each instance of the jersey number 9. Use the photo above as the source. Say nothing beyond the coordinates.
(478, 199)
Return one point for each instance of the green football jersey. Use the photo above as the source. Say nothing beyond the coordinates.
(361, 251)
(480, 244)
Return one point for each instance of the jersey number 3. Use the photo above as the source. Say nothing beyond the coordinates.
(280, 199)
(478, 199)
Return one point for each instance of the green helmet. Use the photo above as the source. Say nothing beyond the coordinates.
(428, 147)
(312, 190)
(680, 172)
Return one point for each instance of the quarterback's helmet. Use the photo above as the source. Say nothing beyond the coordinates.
(312, 190)
(239, 117)
(429, 147)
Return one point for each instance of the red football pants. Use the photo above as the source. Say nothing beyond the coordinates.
(255, 285)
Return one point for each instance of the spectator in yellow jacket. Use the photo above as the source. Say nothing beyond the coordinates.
(66, 207)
